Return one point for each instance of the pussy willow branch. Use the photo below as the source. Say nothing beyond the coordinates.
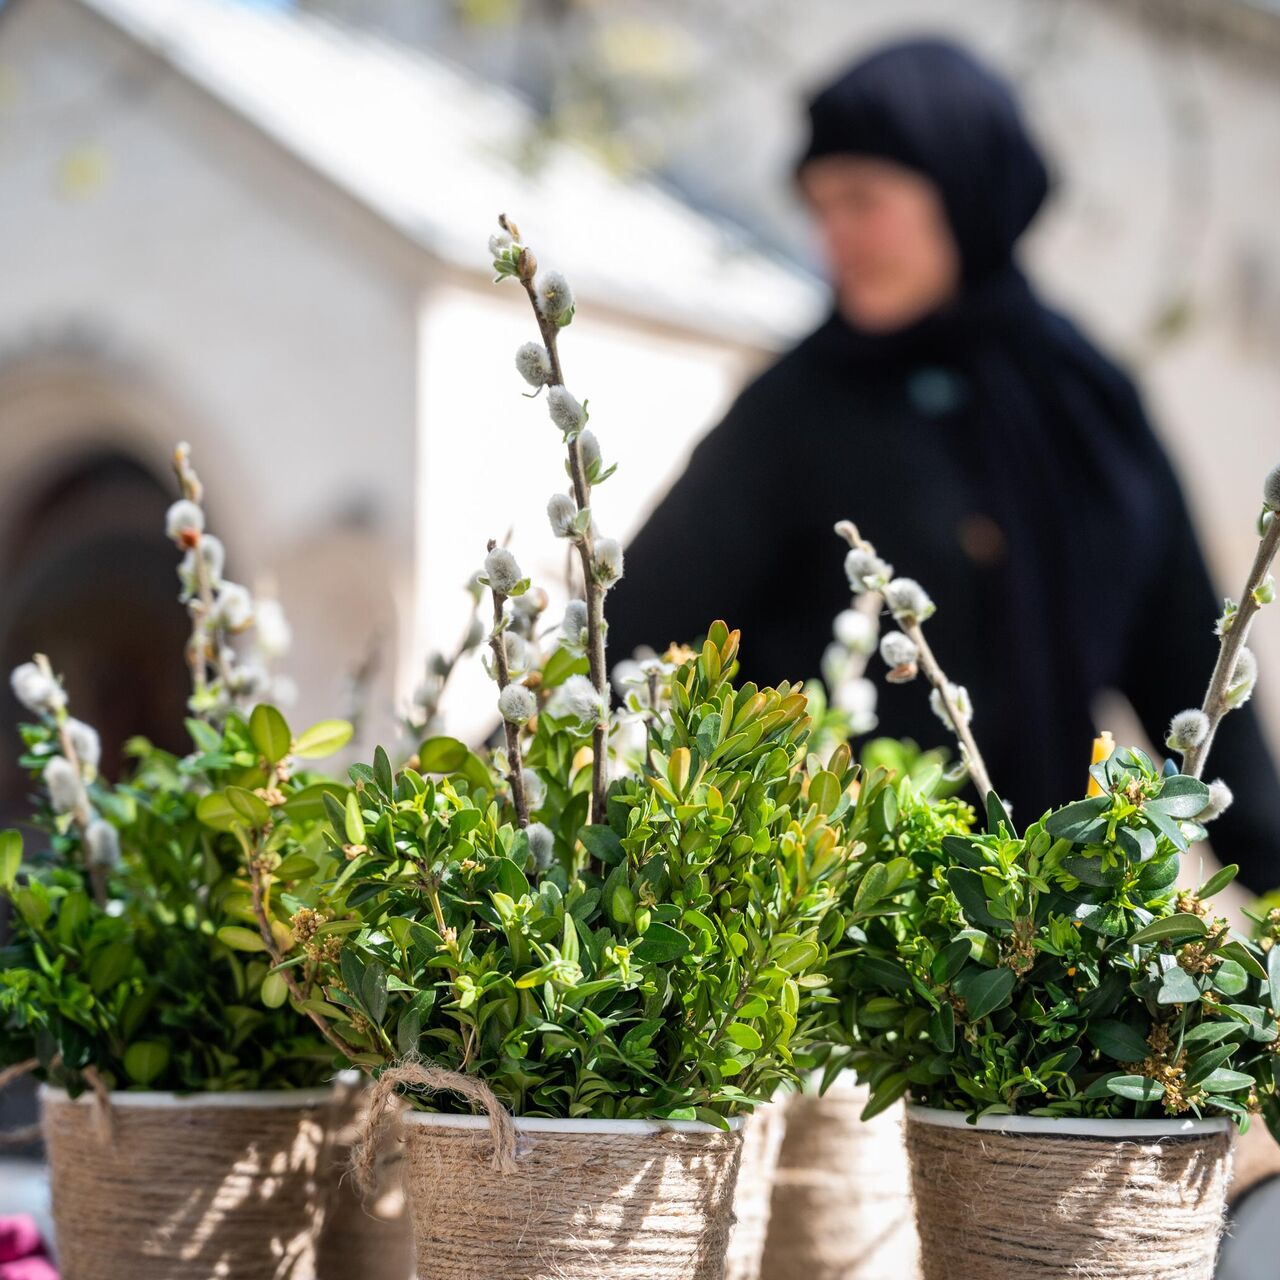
(586, 549)
(515, 765)
(937, 678)
(81, 815)
(1215, 698)
(205, 646)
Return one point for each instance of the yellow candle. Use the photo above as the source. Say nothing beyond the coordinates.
(1103, 746)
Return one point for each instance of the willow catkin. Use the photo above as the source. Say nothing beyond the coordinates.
(841, 1201)
(1003, 1206)
(505, 1204)
(184, 1192)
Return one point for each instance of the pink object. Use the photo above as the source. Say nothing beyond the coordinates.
(28, 1269)
(19, 1238)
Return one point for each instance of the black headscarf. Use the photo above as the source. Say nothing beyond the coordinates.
(1050, 428)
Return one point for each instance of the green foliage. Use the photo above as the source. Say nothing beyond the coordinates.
(659, 964)
(169, 986)
(1060, 972)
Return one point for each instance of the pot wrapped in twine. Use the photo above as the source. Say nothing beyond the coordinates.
(999, 1205)
(841, 1196)
(555, 1200)
(761, 1145)
(154, 1187)
(365, 1235)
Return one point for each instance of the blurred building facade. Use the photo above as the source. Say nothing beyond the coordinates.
(266, 236)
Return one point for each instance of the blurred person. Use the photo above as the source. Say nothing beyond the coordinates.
(978, 438)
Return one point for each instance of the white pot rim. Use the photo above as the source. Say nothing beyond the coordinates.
(543, 1124)
(1072, 1126)
(259, 1098)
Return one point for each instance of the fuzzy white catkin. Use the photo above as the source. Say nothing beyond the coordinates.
(898, 650)
(555, 297)
(273, 633)
(1220, 799)
(102, 844)
(589, 451)
(64, 784)
(1243, 678)
(534, 364)
(542, 844)
(502, 570)
(581, 700)
(1188, 729)
(960, 697)
(856, 631)
(499, 243)
(535, 790)
(565, 411)
(608, 561)
(519, 654)
(36, 691)
(1271, 489)
(574, 625)
(908, 601)
(233, 607)
(84, 742)
(517, 704)
(866, 571)
(183, 519)
(857, 699)
(561, 512)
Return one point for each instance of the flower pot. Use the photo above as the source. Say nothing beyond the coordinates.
(577, 1200)
(761, 1144)
(841, 1196)
(365, 1234)
(1029, 1197)
(155, 1186)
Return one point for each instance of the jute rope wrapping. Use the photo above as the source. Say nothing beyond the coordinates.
(1003, 1206)
(761, 1145)
(504, 1205)
(184, 1192)
(841, 1195)
(366, 1236)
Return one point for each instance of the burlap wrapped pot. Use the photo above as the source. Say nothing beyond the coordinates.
(501, 1198)
(1035, 1198)
(841, 1196)
(761, 1144)
(153, 1186)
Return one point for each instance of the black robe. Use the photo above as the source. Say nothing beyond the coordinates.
(991, 452)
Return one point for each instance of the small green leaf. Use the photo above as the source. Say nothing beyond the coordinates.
(661, 944)
(144, 1060)
(270, 733)
(1218, 881)
(744, 1036)
(1177, 987)
(10, 858)
(1184, 925)
(825, 791)
(442, 755)
(984, 991)
(275, 990)
(1118, 1040)
(322, 739)
(353, 821)
(1137, 1088)
(1225, 1081)
(238, 938)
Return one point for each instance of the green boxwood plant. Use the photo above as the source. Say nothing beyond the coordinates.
(1060, 970)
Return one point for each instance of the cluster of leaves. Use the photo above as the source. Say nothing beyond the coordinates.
(655, 965)
(168, 985)
(1061, 972)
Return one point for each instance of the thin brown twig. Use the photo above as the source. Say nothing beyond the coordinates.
(1233, 639)
(515, 764)
(585, 541)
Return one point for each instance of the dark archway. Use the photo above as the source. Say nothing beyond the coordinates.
(88, 577)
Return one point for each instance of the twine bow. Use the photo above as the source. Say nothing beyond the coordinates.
(420, 1075)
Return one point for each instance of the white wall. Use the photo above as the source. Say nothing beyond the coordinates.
(240, 295)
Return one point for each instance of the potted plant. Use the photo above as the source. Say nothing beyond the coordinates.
(609, 969)
(1075, 1034)
(183, 1099)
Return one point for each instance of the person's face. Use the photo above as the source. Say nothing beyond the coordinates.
(889, 247)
